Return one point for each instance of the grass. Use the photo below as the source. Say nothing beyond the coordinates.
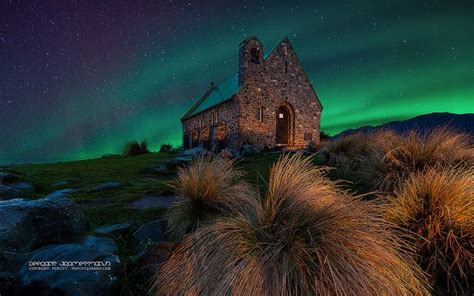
(111, 206)
(381, 160)
(391, 161)
(304, 236)
(437, 207)
(209, 187)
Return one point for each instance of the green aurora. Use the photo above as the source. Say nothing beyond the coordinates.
(369, 63)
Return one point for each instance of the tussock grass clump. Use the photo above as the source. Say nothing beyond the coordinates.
(437, 206)
(210, 187)
(134, 148)
(343, 150)
(305, 236)
(392, 159)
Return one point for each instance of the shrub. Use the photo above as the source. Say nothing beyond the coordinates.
(393, 158)
(166, 148)
(343, 150)
(134, 148)
(324, 136)
(305, 236)
(437, 206)
(209, 187)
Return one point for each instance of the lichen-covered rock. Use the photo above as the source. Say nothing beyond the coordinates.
(26, 224)
(82, 278)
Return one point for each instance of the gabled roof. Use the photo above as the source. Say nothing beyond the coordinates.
(225, 90)
(215, 95)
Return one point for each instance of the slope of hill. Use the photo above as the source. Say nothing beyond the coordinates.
(460, 122)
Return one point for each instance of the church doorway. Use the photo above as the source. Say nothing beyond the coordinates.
(282, 126)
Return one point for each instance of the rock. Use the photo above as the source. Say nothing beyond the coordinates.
(247, 149)
(175, 162)
(8, 192)
(113, 228)
(152, 256)
(22, 186)
(161, 169)
(149, 202)
(59, 193)
(91, 279)
(26, 224)
(60, 183)
(194, 152)
(150, 232)
(312, 147)
(229, 153)
(108, 185)
(3, 176)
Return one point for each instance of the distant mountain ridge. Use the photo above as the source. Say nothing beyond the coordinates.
(423, 123)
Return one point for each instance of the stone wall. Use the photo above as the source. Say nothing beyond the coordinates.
(251, 115)
(225, 129)
(278, 80)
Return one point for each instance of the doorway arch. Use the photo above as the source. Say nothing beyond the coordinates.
(284, 118)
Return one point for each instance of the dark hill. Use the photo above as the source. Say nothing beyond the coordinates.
(423, 123)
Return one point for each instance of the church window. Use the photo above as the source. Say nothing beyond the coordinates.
(255, 55)
(260, 114)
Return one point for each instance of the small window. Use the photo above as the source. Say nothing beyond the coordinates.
(255, 55)
(260, 114)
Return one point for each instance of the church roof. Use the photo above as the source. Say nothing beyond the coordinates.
(215, 95)
(225, 90)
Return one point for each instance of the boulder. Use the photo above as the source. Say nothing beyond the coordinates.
(60, 183)
(92, 269)
(229, 153)
(150, 202)
(8, 192)
(26, 224)
(59, 193)
(108, 185)
(312, 147)
(152, 256)
(3, 176)
(150, 232)
(121, 227)
(161, 169)
(248, 149)
(194, 152)
(175, 162)
(22, 186)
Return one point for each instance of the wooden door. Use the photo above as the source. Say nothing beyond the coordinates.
(282, 126)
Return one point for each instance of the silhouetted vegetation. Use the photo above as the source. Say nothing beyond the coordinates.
(135, 148)
(166, 148)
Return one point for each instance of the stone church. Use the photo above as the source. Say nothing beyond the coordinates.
(269, 103)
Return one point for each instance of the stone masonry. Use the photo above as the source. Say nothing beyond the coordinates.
(274, 104)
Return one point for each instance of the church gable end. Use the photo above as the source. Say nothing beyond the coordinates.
(273, 105)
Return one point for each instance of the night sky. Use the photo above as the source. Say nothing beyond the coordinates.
(80, 78)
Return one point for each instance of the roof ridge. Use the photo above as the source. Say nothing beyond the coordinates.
(212, 86)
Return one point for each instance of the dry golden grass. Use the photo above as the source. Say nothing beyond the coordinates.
(343, 150)
(305, 236)
(437, 206)
(394, 157)
(209, 187)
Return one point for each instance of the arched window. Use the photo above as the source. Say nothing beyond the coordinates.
(255, 55)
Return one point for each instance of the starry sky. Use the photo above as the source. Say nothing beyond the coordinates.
(78, 79)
